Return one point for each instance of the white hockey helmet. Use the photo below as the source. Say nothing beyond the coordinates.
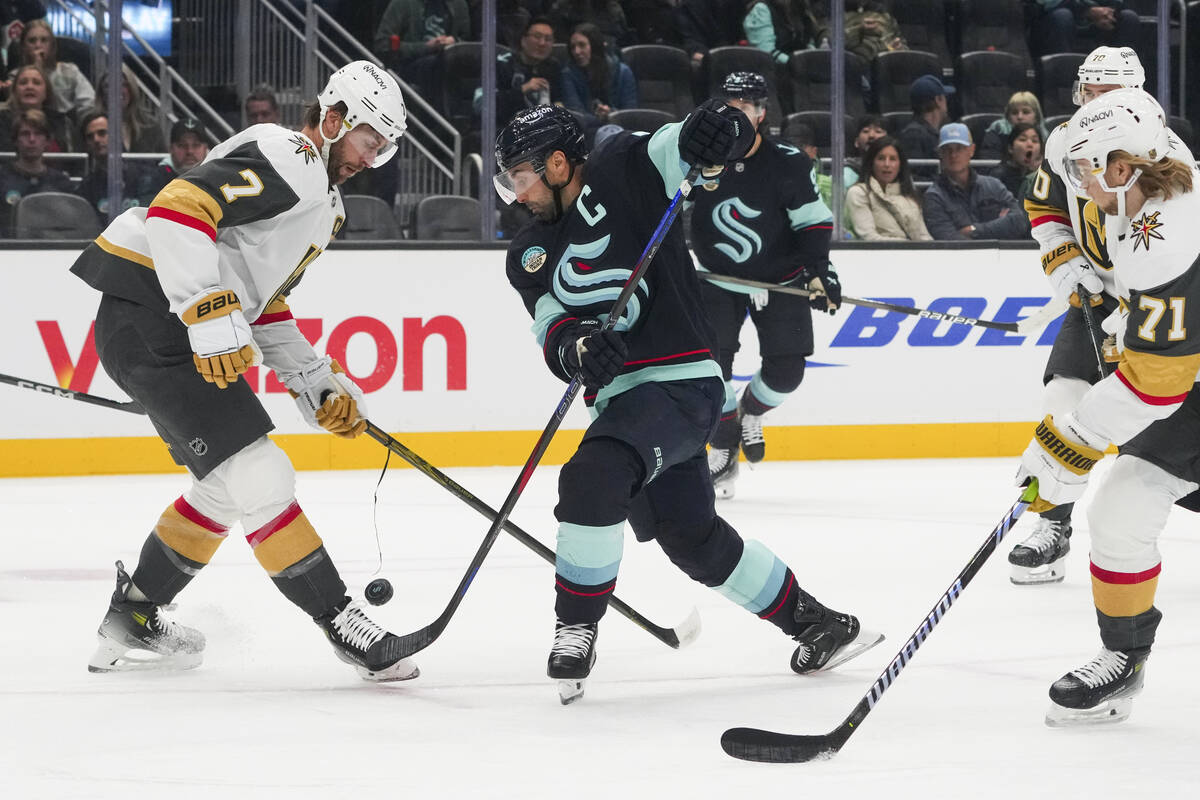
(372, 97)
(1112, 66)
(1123, 119)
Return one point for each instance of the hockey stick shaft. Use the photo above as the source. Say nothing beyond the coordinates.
(403, 646)
(753, 744)
(1035, 322)
(1089, 319)
(668, 636)
(58, 391)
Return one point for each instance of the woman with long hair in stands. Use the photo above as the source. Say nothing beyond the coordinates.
(594, 82)
(32, 91)
(140, 131)
(884, 204)
(72, 91)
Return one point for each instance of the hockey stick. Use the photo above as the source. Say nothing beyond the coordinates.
(681, 635)
(1089, 319)
(1040, 319)
(57, 391)
(753, 744)
(404, 646)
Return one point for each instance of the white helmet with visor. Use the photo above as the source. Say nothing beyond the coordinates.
(1108, 66)
(372, 97)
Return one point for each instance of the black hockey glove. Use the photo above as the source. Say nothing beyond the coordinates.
(714, 134)
(597, 355)
(825, 287)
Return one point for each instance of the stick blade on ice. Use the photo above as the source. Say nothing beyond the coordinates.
(752, 744)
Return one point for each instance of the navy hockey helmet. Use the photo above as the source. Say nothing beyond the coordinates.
(530, 137)
(745, 86)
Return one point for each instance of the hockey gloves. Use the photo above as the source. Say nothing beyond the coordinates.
(581, 346)
(222, 345)
(1059, 462)
(825, 290)
(715, 133)
(327, 398)
(1066, 269)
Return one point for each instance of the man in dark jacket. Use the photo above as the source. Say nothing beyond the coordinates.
(962, 204)
(529, 77)
(919, 137)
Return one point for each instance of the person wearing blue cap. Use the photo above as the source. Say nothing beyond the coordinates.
(962, 204)
(928, 96)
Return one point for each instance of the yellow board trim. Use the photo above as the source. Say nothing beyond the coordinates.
(25, 458)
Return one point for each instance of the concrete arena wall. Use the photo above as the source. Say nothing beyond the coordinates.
(443, 348)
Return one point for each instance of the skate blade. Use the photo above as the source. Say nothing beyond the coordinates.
(111, 656)
(1116, 709)
(402, 670)
(865, 640)
(1054, 572)
(570, 690)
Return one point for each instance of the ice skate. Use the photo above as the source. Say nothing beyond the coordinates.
(828, 638)
(1101, 691)
(364, 645)
(571, 658)
(723, 469)
(1042, 557)
(753, 443)
(140, 636)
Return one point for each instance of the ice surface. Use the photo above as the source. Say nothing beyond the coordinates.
(272, 713)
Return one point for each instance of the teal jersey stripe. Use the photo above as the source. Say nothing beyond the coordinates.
(729, 287)
(663, 374)
(808, 214)
(767, 395)
(756, 580)
(589, 555)
(545, 312)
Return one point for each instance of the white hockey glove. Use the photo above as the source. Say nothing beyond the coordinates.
(1114, 342)
(327, 398)
(1066, 276)
(222, 345)
(759, 298)
(1059, 462)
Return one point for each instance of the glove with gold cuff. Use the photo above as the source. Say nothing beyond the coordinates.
(222, 345)
(1059, 462)
(328, 398)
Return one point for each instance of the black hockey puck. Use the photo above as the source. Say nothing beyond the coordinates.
(378, 591)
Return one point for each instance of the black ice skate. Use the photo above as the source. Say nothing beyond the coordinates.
(723, 469)
(827, 638)
(1042, 557)
(140, 636)
(1102, 690)
(364, 645)
(753, 443)
(571, 658)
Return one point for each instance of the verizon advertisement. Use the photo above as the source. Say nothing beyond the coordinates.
(440, 342)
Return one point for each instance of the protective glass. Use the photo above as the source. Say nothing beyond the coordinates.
(517, 180)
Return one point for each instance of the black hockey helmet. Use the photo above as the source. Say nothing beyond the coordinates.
(745, 86)
(529, 137)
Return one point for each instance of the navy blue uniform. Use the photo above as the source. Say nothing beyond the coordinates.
(643, 456)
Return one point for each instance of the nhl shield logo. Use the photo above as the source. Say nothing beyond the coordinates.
(533, 259)
(199, 446)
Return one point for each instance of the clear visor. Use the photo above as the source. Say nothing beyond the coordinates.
(516, 181)
(1080, 173)
(372, 146)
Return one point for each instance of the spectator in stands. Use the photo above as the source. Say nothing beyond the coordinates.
(530, 76)
(412, 33)
(607, 15)
(32, 91)
(595, 83)
(140, 131)
(13, 16)
(28, 174)
(871, 30)
(919, 138)
(884, 205)
(1064, 26)
(138, 181)
(705, 24)
(261, 106)
(867, 129)
(962, 204)
(72, 91)
(1021, 107)
(188, 147)
(1022, 157)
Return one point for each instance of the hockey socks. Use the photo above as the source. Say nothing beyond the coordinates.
(291, 552)
(182, 542)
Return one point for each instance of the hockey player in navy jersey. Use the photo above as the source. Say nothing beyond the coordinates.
(195, 291)
(766, 222)
(652, 383)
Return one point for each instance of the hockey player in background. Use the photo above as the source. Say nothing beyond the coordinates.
(1119, 154)
(195, 291)
(651, 381)
(766, 222)
(1071, 232)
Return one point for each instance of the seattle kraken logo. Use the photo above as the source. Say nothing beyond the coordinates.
(578, 283)
(727, 218)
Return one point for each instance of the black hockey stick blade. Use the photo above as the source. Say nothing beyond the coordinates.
(755, 744)
(69, 394)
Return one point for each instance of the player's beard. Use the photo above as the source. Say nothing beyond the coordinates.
(339, 169)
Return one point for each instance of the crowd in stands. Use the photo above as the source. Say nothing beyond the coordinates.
(933, 150)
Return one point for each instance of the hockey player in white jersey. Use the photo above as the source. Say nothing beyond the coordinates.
(1074, 249)
(195, 292)
(1118, 153)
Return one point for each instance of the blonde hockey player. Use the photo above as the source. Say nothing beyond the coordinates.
(1117, 152)
(1074, 252)
(195, 291)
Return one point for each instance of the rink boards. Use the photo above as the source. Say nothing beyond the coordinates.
(443, 348)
